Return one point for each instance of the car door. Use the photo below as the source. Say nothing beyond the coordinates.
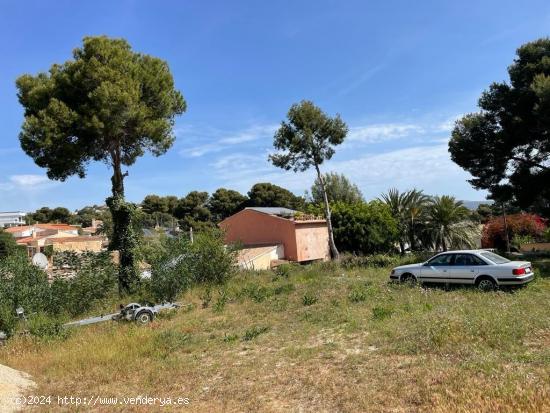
(437, 269)
(465, 268)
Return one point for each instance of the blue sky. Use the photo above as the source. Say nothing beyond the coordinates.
(398, 72)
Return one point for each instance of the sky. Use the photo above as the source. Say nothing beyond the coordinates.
(399, 73)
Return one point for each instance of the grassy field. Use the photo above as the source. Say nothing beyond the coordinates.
(322, 339)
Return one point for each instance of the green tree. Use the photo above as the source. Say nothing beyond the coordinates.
(307, 140)
(505, 146)
(193, 212)
(8, 245)
(339, 189)
(61, 215)
(364, 227)
(107, 104)
(449, 224)
(269, 195)
(225, 202)
(154, 203)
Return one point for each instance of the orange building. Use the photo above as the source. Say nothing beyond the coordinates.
(302, 238)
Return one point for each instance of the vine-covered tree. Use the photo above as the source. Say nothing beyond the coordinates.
(339, 189)
(307, 140)
(107, 104)
(506, 145)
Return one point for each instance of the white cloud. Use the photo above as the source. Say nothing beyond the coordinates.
(424, 167)
(29, 180)
(383, 132)
(218, 141)
(25, 182)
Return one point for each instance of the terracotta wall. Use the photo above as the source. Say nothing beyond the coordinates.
(256, 228)
(312, 241)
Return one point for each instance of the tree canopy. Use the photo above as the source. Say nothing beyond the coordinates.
(506, 145)
(225, 202)
(265, 194)
(107, 104)
(338, 187)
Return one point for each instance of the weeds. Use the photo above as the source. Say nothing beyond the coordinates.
(309, 299)
(254, 332)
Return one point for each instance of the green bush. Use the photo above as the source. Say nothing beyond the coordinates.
(23, 285)
(95, 279)
(8, 246)
(44, 326)
(184, 263)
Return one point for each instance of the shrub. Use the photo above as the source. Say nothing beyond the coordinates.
(363, 227)
(184, 263)
(8, 246)
(522, 225)
(44, 326)
(96, 279)
(23, 285)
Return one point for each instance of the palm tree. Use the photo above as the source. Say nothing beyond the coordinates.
(448, 224)
(396, 203)
(407, 208)
(416, 203)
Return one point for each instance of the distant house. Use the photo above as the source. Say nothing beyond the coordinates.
(12, 219)
(290, 235)
(60, 236)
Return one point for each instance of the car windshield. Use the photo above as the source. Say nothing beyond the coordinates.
(497, 259)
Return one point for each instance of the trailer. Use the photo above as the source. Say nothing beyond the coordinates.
(141, 314)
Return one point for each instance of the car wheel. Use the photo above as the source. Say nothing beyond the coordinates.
(486, 284)
(408, 279)
(143, 318)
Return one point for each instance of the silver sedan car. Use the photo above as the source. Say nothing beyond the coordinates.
(482, 268)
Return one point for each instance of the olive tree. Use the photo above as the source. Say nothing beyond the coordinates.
(107, 104)
(306, 140)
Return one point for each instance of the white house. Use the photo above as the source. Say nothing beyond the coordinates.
(12, 219)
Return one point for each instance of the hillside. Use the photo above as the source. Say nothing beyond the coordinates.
(321, 339)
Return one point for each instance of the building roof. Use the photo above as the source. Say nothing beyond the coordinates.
(58, 227)
(74, 239)
(279, 211)
(248, 254)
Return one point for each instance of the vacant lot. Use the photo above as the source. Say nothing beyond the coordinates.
(319, 339)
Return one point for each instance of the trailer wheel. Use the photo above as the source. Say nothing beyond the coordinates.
(143, 318)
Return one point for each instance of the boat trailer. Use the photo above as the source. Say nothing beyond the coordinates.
(138, 313)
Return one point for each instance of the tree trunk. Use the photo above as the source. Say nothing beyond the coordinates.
(123, 238)
(401, 247)
(506, 235)
(333, 250)
(117, 180)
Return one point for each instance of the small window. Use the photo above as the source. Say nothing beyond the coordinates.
(468, 260)
(444, 259)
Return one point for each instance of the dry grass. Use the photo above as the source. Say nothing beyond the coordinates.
(355, 344)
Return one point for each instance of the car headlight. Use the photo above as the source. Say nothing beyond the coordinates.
(392, 272)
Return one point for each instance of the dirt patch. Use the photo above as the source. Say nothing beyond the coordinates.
(13, 383)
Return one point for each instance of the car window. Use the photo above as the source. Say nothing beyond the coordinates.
(497, 259)
(444, 259)
(468, 259)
